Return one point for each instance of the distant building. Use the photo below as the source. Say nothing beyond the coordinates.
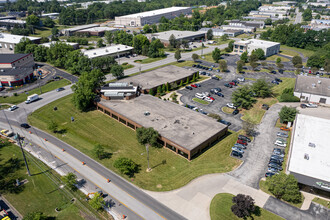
(217, 32)
(285, 3)
(17, 14)
(255, 24)
(270, 48)
(16, 69)
(117, 91)
(238, 26)
(317, 25)
(151, 17)
(114, 51)
(312, 89)
(51, 15)
(97, 31)
(8, 42)
(71, 31)
(12, 23)
(179, 35)
(74, 45)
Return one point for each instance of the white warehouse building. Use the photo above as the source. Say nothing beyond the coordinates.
(313, 89)
(151, 17)
(270, 48)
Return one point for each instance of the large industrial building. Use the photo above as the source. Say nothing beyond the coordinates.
(72, 44)
(270, 48)
(114, 51)
(8, 42)
(178, 132)
(16, 69)
(151, 17)
(164, 37)
(312, 89)
(152, 79)
(220, 32)
(71, 31)
(309, 159)
(97, 31)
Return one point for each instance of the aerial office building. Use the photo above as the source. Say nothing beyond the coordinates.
(270, 48)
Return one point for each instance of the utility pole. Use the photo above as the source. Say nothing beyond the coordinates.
(147, 148)
(39, 84)
(20, 145)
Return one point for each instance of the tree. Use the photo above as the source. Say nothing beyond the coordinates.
(117, 71)
(100, 43)
(260, 54)
(84, 91)
(147, 29)
(224, 37)
(223, 65)
(231, 45)
(216, 55)
(35, 216)
(155, 49)
(159, 90)
(315, 61)
(167, 87)
(280, 65)
(108, 35)
(147, 136)
(209, 34)
(268, 21)
(21, 46)
(242, 97)
(284, 187)
(33, 20)
(278, 60)
(99, 151)
(240, 65)
(244, 57)
(154, 28)
(97, 201)
(126, 166)
(139, 41)
(261, 88)
(151, 92)
(177, 55)
(287, 114)
(253, 58)
(296, 60)
(307, 15)
(172, 41)
(195, 57)
(53, 126)
(253, 65)
(164, 88)
(55, 31)
(248, 127)
(70, 180)
(243, 206)
(48, 22)
(326, 65)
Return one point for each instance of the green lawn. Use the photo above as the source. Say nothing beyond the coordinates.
(45, 88)
(200, 101)
(182, 64)
(127, 66)
(227, 110)
(149, 60)
(287, 83)
(323, 202)
(94, 127)
(40, 193)
(42, 32)
(4, 107)
(208, 57)
(264, 187)
(274, 57)
(220, 209)
(306, 53)
(255, 114)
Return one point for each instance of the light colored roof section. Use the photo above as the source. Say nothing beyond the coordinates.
(81, 27)
(98, 29)
(14, 39)
(155, 12)
(314, 130)
(257, 42)
(48, 44)
(313, 85)
(177, 34)
(13, 21)
(104, 51)
(179, 124)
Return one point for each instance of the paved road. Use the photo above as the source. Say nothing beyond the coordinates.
(298, 17)
(12, 212)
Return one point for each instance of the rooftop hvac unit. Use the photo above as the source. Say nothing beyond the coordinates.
(94, 53)
(313, 85)
(311, 145)
(306, 157)
(146, 113)
(319, 82)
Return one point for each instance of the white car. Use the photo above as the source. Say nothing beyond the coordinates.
(280, 144)
(241, 79)
(309, 105)
(12, 108)
(231, 105)
(200, 96)
(208, 99)
(281, 140)
(206, 93)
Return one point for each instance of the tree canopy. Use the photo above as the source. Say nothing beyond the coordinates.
(243, 205)
(70, 180)
(147, 136)
(287, 114)
(216, 55)
(126, 166)
(261, 88)
(242, 97)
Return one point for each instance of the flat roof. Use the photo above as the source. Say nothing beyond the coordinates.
(313, 85)
(98, 29)
(48, 44)
(104, 51)
(14, 72)
(177, 34)
(157, 77)
(81, 27)
(10, 58)
(257, 42)
(14, 39)
(177, 123)
(13, 21)
(155, 12)
(219, 30)
(310, 140)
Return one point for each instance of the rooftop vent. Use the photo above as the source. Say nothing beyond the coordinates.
(94, 53)
(106, 51)
(2, 70)
(311, 145)
(313, 85)
(306, 157)
(146, 113)
(319, 82)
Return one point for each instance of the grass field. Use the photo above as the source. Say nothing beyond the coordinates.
(94, 127)
(288, 50)
(45, 88)
(127, 66)
(220, 209)
(227, 110)
(255, 114)
(264, 187)
(40, 193)
(323, 202)
(200, 101)
(274, 57)
(287, 83)
(208, 57)
(149, 60)
(184, 63)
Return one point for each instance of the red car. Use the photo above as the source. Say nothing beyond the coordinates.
(283, 128)
(193, 85)
(211, 98)
(232, 83)
(239, 141)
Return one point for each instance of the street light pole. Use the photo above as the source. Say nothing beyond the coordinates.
(20, 145)
(147, 148)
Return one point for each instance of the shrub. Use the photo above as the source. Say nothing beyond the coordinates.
(126, 166)
(15, 94)
(124, 64)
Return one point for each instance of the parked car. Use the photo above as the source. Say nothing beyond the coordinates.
(211, 98)
(193, 85)
(282, 134)
(206, 93)
(275, 82)
(274, 165)
(235, 112)
(198, 85)
(7, 133)
(190, 106)
(235, 81)
(208, 99)
(240, 146)
(281, 140)
(310, 105)
(59, 89)
(279, 153)
(203, 73)
(273, 72)
(230, 105)
(217, 89)
(269, 174)
(225, 122)
(272, 170)
(228, 85)
(238, 150)
(189, 87)
(303, 105)
(219, 94)
(278, 80)
(25, 125)
(12, 108)
(232, 83)
(239, 141)
(202, 111)
(200, 96)
(214, 77)
(236, 154)
(265, 106)
(283, 128)
(244, 138)
(281, 71)
(218, 71)
(241, 79)
(280, 144)
(277, 161)
(276, 157)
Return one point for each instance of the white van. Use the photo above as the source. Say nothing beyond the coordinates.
(32, 98)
